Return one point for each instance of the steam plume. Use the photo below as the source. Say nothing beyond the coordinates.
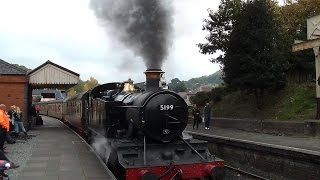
(144, 26)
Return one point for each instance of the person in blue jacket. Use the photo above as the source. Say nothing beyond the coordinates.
(207, 115)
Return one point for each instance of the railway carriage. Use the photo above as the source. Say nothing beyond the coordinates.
(75, 112)
(53, 108)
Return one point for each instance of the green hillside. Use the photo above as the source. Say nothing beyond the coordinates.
(212, 79)
(295, 102)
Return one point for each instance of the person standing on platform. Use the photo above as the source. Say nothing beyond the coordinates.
(196, 116)
(9, 139)
(4, 128)
(18, 124)
(4, 125)
(37, 109)
(11, 109)
(33, 114)
(207, 115)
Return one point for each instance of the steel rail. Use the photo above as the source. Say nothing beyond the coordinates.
(246, 173)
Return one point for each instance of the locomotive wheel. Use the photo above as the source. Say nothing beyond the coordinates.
(149, 176)
(218, 173)
(204, 179)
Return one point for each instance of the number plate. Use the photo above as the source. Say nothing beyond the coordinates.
(166, 107)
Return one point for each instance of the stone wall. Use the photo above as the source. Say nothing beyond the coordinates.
(308, 127)
(267, 162)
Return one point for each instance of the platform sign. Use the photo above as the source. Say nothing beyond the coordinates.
(313, 31)
(313, 27)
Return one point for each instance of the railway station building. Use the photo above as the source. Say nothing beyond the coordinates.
(13, 86)
(16, 84)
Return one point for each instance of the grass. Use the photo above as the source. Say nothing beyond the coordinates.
(295, 102)
(298, 103)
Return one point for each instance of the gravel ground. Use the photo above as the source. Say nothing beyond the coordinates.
(20, 152)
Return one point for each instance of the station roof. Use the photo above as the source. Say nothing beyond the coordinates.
(51, 75)
(10, 69)
(54, 64)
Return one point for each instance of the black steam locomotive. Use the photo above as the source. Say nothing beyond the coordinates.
(142, 128)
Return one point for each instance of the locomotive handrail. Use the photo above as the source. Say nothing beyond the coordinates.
(101, 99)
(172, 117)
(193, 149)
(131, 107)
(171, 166)
(144, 150)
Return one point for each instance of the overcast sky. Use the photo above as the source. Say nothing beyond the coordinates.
(67, 33)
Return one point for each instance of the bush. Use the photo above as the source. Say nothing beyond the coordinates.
(216, 94)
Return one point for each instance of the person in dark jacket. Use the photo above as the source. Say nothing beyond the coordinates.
(33, 114)
(196, 116)
(9, 139)
(207, 115)
(11, 109)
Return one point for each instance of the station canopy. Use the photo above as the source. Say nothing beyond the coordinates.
(51, 75)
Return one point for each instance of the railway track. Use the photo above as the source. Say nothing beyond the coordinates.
(245, 173)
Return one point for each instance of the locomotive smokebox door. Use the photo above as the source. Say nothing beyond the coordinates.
(165, 116)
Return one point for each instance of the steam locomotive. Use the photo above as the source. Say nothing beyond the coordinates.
(143, 130)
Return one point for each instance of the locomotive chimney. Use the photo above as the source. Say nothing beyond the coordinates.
(153, 79)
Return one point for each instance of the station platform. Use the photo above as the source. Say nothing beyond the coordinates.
(296, 143)
(55, 152)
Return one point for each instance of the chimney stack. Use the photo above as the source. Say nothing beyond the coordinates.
(153, 77)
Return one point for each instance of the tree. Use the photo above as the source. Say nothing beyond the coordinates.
(253, 60)
(200, 99)
(249, 35)
(82, 86)
(219, 25)
(79, 87)
(89, 84)
(71, 92)
(293, 18)
(217, 93)
(177, 85)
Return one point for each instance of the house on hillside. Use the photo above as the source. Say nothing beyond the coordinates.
(205, 88)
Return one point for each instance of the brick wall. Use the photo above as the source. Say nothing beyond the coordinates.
(13, 91)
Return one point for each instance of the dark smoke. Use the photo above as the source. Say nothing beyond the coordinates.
(144, 26)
